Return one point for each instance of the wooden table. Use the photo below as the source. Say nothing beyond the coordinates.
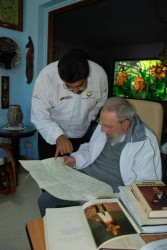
(35, 231)
(15, 135)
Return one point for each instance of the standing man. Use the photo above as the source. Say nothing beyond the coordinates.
(67, 96)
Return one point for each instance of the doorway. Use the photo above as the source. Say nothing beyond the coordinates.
(54, 25)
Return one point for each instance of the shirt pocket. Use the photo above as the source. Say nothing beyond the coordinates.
(61, 109)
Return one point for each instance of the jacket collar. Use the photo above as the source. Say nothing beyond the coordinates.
(137, 130)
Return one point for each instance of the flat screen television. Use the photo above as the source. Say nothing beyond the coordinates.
(140, 79)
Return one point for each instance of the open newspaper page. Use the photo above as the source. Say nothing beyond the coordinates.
(67, 228)
(64, 182)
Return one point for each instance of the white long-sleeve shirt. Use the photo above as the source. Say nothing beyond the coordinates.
(56, 110)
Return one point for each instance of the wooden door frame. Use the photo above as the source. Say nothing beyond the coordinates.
(51, 16)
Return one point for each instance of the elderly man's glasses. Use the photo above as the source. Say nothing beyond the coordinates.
(105, 126)
(80, 87)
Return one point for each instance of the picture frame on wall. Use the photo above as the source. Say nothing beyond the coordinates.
(4, 92)
(11, 14)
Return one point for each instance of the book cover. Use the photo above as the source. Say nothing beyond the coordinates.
(147, 225)
(152, 196)
(95, 224)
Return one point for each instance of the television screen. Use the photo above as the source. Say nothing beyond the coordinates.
(140, 79)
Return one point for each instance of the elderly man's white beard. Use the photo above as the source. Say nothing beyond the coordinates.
(118, 138)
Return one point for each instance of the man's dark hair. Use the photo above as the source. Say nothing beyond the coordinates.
(73, 66)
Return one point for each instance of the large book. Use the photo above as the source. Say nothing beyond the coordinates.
(95, 224)
(152, 196)
(147, 225)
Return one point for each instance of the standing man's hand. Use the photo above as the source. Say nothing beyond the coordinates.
(69, 161)
(63, 146)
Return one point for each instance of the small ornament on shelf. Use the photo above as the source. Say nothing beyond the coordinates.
(15, 117)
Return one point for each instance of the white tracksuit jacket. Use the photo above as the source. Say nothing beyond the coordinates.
(140, 158)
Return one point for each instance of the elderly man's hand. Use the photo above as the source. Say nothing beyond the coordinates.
(69, 161)
(63, 146)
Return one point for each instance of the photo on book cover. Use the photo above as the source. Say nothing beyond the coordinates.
(156, 196)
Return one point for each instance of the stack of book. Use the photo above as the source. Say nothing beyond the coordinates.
(147, 203)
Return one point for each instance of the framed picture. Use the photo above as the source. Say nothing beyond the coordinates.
(140, 79)
(11, 14)
(4, 92)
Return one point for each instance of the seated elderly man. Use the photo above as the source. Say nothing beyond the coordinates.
(121, 150)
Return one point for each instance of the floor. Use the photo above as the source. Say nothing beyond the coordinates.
(16, 210)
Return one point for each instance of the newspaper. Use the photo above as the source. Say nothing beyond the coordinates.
(64, 182)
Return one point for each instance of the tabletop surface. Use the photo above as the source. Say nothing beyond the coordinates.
(27, 130)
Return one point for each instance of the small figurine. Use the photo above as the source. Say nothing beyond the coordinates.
(29, 60)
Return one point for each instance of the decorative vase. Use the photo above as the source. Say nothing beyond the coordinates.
(15, 116)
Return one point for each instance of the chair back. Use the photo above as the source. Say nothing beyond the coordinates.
(150, 113)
